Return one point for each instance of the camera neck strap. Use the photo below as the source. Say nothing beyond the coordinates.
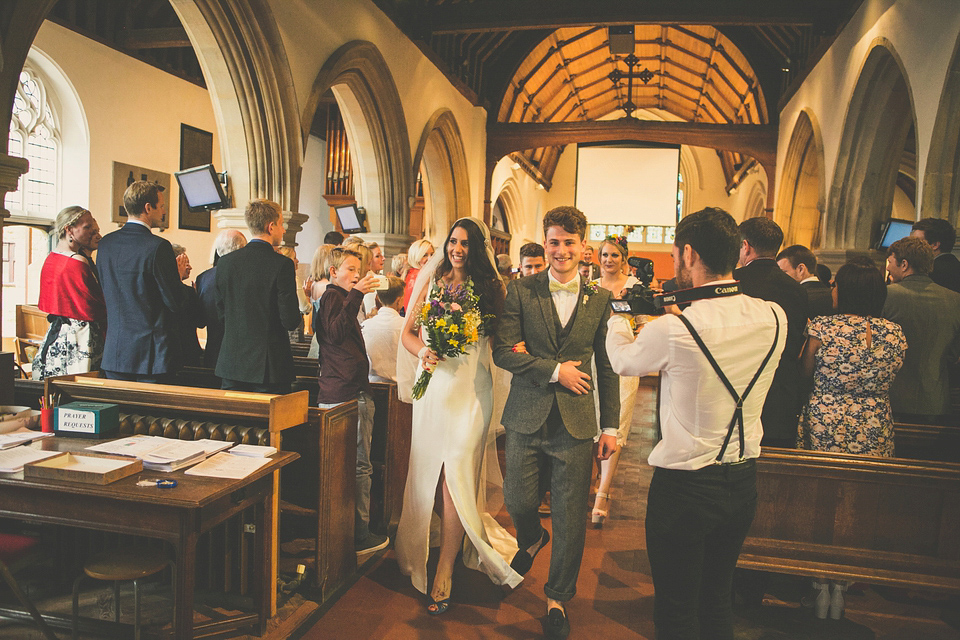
(737, 419)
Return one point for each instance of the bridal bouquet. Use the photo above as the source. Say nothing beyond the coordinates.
(451, 318)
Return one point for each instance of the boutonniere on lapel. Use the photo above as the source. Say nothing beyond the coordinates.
(589, 289)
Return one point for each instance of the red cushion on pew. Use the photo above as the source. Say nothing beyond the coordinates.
(13, 547)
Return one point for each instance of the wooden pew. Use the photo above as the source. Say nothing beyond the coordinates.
(390, 454)
(175, 410)
(845, 517)
(927, 441)
(320, 487)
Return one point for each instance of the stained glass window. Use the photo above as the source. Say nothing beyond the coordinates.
(34, 135)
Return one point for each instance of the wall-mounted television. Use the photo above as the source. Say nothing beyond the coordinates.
(351, 220)
(894, 230)
(201, 188)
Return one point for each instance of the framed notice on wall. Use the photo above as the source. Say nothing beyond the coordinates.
(123, 175)
(196, 148)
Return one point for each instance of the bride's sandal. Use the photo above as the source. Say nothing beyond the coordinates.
(599, 515)
(436, 607)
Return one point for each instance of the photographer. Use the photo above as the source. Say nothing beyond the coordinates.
(716, 362)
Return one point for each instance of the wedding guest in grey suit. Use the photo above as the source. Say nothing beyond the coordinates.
(552, 325)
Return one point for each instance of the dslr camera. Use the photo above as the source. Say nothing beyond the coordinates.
(640, 298)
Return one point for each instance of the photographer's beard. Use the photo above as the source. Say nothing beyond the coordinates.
(683, 276)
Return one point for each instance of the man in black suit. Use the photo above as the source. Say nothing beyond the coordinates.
(799, 263)
(760, 277)
(142, 289)
(258, 304)
(941, 236)
(227, 241)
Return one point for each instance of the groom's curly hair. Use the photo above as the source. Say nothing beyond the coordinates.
(570, 219)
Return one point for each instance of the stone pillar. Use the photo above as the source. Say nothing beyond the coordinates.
(233, 219)
(390, 243)
(11, 168)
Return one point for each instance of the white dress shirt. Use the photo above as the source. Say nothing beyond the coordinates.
(565, 303)
(695, 407)
(381, 335)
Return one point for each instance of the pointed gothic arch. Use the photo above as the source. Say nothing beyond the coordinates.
(251, 87)
(377, 130)
(941, 180)
(879, 118)
(800, 202)
(447, 182)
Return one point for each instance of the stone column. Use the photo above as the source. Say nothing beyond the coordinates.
(233, 219)
(11, 168)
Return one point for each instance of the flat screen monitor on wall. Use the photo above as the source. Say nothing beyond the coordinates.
(627, 183)
(201, 188)
(351, 220)
(894, 230)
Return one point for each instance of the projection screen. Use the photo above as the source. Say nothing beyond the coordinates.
(628, 184)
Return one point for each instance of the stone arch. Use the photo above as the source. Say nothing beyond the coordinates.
(512, 207)
(941, 181)
(377, 130)
(879, 118)
(756, 206)
(447, 182)
(800, 201)
(251, 87)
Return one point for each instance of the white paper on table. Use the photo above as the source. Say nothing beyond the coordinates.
(16, 438)
(226, 465)
(12, 460)
(132, 446)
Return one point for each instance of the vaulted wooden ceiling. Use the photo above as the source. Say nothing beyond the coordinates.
(711, 61)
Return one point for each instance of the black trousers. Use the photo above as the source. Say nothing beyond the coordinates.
(278, 388)
(696, 523)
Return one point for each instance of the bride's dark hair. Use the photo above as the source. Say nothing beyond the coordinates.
(486, 280)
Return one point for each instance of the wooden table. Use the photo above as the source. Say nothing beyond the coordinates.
(179, 516)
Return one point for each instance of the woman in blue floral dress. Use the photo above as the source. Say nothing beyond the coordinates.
(853, 357)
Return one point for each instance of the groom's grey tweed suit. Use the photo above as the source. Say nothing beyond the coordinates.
(546, 423)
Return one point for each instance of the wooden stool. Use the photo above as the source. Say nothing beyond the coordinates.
(127, 564)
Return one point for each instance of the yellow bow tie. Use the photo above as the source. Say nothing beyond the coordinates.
(570, 287)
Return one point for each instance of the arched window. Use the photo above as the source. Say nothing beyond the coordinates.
(35, 135)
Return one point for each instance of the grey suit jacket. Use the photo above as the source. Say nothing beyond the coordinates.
(529, 316)
(930, 318)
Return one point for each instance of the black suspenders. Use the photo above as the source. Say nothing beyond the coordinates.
(738, 412)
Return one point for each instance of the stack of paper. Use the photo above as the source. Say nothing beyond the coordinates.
(16, 438)
(12, 460)
(175, 454)
(162, 454)
(253, 450)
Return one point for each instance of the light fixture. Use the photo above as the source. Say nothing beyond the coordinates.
(516, 166)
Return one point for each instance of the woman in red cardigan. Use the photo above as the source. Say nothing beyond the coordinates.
(71, 296)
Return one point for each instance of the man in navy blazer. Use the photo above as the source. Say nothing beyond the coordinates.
(227, 241)
(141, 286)
(258, 305)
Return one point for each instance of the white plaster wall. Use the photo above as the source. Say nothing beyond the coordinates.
(312, 202)
(133, 114)
(922, 33)
(312, 30)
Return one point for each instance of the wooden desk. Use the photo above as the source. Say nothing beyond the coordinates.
(179, 516)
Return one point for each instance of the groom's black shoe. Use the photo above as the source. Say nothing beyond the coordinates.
(556, 625)
(522, 562)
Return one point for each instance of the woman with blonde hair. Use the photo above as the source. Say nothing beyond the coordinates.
(613, 278)
(71, 296)
(417, 255)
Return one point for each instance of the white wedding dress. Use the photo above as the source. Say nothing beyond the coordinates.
(451, 431)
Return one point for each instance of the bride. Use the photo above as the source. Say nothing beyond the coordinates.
(449, 443)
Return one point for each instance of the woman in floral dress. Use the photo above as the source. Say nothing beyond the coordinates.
(853, 357)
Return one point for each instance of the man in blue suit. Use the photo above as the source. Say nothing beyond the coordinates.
(141, 286)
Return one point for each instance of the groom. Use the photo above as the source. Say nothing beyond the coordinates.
(549, 416)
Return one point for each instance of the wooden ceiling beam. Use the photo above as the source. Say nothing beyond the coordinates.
(158, 38)
(488, 15)
(756, 141)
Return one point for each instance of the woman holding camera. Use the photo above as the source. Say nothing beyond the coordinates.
(613, 278)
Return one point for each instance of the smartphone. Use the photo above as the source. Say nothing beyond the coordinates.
(380, 283)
